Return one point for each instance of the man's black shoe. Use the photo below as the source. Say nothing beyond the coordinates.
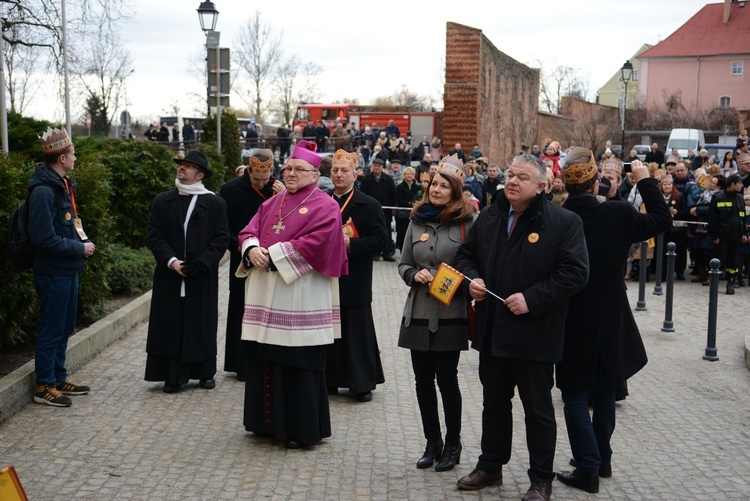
(389, 258)
(584, 481)
(605, 470)
(207, 384)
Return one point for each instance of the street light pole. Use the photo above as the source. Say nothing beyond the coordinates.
(626, 73)
(208, 15)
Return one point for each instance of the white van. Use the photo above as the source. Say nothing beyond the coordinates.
(682, 139)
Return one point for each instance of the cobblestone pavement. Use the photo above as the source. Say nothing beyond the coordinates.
(683, 433)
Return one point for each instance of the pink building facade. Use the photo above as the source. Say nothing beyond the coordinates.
(706, 62)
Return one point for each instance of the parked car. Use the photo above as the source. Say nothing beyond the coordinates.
(641, 150)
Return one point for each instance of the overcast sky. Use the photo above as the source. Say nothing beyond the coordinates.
(369, 49)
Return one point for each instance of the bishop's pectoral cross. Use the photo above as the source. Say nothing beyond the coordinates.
(279, 227)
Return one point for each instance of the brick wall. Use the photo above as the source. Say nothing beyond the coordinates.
(490, 98)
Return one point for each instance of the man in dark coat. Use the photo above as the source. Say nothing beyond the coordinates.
(282, 134)
(243, 195)
(188, 132)
(532, 253)
(188, 235)
(354, 360)
(380, 187)
(603, 347)
(655, 155)
(490, 185)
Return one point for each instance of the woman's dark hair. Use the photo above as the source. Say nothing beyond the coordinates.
(721, 181)
(457, 210)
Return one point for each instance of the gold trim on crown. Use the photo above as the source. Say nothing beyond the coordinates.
(342, 158)
(454, 166)
(612, 164)
(260, 167)
(54, 141)
(743, 158)
(580, 173)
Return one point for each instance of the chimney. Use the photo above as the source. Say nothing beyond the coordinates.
(727, 11)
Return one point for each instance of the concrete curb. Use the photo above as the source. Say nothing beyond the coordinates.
(17, 388)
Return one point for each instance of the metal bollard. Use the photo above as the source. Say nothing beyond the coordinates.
(668, 325)
(659, 264)
(713, 302)
(641, 304)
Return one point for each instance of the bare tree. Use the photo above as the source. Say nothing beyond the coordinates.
(559, 82)
(102, 66)
(20, 63)
(309, 86)
(261, 53)
(286, 76)
(404, 97)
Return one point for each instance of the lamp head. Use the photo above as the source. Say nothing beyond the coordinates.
(208, 15)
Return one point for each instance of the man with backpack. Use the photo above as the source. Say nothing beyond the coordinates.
(61, 245)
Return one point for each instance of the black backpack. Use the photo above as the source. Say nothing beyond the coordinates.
(20, 250)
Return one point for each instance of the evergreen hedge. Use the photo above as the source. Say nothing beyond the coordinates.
(117, 182)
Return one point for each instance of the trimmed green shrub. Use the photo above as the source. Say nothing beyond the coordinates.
(140, 170)
(132, 270)
(24, 132)
(19, 310)
(231, 149)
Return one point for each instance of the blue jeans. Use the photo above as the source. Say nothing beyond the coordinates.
(58, 302)
(589, 435)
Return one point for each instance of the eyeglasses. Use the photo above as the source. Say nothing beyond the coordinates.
(297, 169)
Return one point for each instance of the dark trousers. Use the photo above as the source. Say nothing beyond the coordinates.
(589, 435)
(534, 380)
(58, 303)
(443, 364)
(728, 253)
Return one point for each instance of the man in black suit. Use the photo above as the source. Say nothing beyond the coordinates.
(380, 186)
(354, 360)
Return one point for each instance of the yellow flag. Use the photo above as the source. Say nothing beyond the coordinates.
(10, 487)
(445, 283)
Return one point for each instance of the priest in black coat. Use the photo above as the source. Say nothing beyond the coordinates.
(602, 346)
(188, 235)
(243, 195)
(354, 360)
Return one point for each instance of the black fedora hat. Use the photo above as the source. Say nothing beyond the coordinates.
(198, 159)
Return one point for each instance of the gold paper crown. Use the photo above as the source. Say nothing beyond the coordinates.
(54, 141)
(342, 158)
(743, 158)
(454, 166)
(259, 167)
(612, 164)
(425, 176)
(579, 173)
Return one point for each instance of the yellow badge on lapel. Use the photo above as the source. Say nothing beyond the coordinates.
(303, 210)
(533, 238)
(424, 237)
(68, 216)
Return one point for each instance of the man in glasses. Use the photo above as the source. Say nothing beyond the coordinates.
(293, 254)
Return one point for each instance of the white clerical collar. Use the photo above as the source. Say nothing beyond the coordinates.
(343, 194)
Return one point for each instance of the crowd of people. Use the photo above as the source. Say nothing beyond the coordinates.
(539, 242)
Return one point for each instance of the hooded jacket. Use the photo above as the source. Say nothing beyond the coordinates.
(51, 227)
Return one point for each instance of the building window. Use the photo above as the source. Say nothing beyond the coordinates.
(635, 75)
(725, 102)
(737, 67)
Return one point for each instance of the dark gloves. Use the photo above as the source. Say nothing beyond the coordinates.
(190, 268)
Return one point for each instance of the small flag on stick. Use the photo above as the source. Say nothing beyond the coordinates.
(445, 283)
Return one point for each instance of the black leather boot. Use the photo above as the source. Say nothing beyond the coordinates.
(450, 457)
(431, 452)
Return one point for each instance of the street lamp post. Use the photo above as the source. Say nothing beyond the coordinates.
(626, 73)
(208, 15)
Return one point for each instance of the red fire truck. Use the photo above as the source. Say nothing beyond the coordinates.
(419, 122)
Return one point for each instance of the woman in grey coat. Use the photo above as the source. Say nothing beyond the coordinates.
(436, 333)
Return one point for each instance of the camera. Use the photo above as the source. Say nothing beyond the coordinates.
(604, 186)
(626, 167)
